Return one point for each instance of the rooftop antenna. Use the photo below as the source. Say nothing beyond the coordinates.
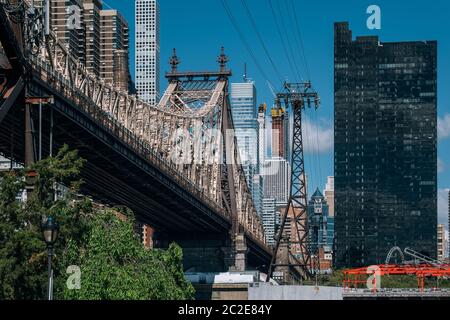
(245, 72)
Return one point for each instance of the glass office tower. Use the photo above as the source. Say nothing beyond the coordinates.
(385, 147)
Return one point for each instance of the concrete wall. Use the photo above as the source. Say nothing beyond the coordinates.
(266, 291)
(221, 291)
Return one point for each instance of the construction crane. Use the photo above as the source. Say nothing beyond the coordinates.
(272, 89)
(291, 256)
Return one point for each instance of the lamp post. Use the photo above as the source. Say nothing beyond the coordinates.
(50, 230)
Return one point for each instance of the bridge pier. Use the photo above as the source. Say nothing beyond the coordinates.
(130, 164)
(239, 252)
(207, 252)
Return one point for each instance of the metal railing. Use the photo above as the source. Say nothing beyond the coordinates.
(59, 83)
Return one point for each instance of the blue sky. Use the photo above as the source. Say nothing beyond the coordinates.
(199, 28)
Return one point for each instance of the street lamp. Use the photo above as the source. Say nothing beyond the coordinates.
(50, 230)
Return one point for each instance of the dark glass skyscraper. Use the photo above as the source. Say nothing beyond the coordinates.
(385, 147)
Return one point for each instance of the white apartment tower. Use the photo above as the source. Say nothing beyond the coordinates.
(442, 242)
(269, 219)
(277, 177)
(262, 136)
(147, 50)
(329, 195)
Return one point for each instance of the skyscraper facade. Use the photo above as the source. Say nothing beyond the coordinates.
(91, 18)
(385, 147)
(442, 242)
(147, 50)
(246, 128)
(258, 181)
(66, 19)
(320, 224)
(269, 219)
(329, 195)
(245, 119)
(114, 36)
(262, 136)
(277, 180)
(97, 38)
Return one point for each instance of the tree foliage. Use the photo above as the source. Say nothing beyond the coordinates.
(113, 262)
(115, 266)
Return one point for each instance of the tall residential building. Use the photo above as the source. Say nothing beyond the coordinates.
(147, 50)
(280, 133)
(277, 177)
(91, 16)
(262, 136)
(66, 19)
(258, 181)
(96, 37)
(245, 119)
(246, 128)
(442, 242)
(329, 195)
(385, 147)
(114, 39)
(269, 219)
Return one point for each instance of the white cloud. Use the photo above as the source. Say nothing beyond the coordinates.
(444, 127)
(318, 136)
(440, 165)
(443, 207)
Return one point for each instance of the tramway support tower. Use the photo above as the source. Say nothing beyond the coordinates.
(291, 261)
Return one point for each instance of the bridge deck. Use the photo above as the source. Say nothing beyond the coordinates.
(121, 168)
(116, 173)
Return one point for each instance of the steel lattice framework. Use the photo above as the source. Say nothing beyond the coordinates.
(190, 130)
(354, 278)
(291, 250)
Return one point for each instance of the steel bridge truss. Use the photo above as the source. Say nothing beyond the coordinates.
(190, 129)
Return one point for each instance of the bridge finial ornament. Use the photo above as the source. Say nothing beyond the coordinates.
(222, 60)
(174, 61)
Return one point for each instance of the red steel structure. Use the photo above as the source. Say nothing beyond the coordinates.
(355, 277)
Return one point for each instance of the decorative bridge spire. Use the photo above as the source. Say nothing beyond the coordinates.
(174, 61)
(222, 60)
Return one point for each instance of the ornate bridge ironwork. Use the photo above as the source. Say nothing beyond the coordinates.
(188, 135)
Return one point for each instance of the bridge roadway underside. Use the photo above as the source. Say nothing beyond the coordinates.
(116, 175)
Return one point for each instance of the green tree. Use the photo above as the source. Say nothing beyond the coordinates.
(115, 266)
(22, 260)
(114, 263)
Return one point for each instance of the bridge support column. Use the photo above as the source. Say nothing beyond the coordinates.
(208, 252)
(201, 252)
(29, 142)
(239, 254)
